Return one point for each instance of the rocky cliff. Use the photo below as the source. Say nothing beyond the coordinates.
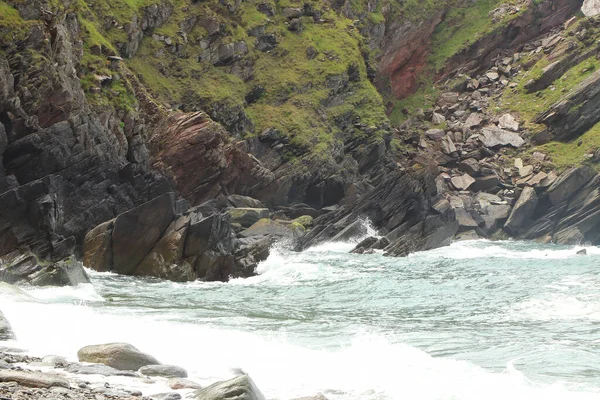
(177, 139)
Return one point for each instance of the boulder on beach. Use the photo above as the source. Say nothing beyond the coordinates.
(239, 388)
(122, 356)
(97, 369)
(6, 332)
(166, 371)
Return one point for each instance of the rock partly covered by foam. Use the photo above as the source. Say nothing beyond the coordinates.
(121, 356)
(6, 331)
(166, 371)
(241, 387)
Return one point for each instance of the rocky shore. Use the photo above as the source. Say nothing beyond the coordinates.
(24, 377)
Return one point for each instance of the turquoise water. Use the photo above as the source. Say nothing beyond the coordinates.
(476, 320)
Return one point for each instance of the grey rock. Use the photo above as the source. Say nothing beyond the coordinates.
(465, 220)
(522, 212)
(6, 332)
(494, 137)
(179, 383)
(54, 361)
(28, 269)
(244, 201)
(462, 182)
(97, 369)
(166, 396)
(509, 122)
(437, 119)
(239, 388)
(485, 182)
(121, 356)
(166, 371)
(33, 379)
(435, 134)
(470, 166)
(568, 183)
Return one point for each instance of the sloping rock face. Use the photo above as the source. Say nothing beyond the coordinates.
(193, 142)
(400, 207)
(27, 269)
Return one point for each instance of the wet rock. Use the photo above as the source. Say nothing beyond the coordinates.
(96, 369)
(462, 182)
(143, 225)
(33, 379)
(494, 137)
(6, 332)
(27, 269)
(166, 371)
(582, 252)
(522, 212)
(166, 396)
(179, 383)
(246, 217)
(121, 356)
(241, 387)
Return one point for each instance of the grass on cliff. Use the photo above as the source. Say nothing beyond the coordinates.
(564, 155)
(462, 26)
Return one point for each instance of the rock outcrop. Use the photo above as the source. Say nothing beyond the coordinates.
(17, 268)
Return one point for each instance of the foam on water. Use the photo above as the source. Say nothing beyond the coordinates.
(361, 360)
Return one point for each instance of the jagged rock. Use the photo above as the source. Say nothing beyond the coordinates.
(590, 8)
(266, 42)
(96, 369)
(121, 356)
(498, 212)
(465, 219)
(437, 119)
(473, 121)
(494, 137)
(27, 269)
(166, 371)
(462, 182)
(522, 212)
(33, 379)
(470, 166)
(246, 217)
(509, 122)
(493, 76)
(241, 387)
(448, 146)
(179, 383)
(6, 332)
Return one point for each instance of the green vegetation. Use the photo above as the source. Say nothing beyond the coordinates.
(571, 153)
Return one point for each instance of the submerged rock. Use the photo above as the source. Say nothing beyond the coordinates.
(121, 356)
(241, 387)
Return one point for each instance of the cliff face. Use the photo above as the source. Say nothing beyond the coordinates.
(107, 105)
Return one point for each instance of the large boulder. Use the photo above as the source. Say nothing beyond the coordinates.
(496, 137)
(121, 356)
(239, 388)
(166, 371)
(143, 225)
(522, 212)
(6, 332)
(28, 269)
(568, 183)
